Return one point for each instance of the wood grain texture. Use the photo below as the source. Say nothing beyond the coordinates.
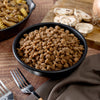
(8, 61)
(93, 39)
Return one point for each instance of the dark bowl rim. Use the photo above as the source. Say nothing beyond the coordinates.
(30, 11)
(49, 72)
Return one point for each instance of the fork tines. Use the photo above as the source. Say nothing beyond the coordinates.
(19, 78)
(3, 89)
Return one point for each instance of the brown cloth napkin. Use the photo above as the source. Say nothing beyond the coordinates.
(83, 84)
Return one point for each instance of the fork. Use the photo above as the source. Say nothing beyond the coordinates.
(23, 83)
(5, 93)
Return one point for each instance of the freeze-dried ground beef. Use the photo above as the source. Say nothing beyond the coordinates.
(50, 49)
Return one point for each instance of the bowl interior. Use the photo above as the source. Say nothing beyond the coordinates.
(37, 26)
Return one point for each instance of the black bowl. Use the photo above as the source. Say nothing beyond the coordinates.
(13, 30)
(51, 74)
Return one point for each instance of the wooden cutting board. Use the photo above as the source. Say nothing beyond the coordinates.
(93, 39)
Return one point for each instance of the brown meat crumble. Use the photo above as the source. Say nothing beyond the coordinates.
(50, 49)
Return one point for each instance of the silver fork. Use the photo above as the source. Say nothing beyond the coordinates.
(23, 84)
(5, 93)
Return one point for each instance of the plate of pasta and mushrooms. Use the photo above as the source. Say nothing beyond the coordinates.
(13, 15)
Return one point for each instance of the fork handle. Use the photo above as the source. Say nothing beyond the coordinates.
(39, 98)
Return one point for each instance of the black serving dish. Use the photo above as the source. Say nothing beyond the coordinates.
(13, 30)
(51, 74)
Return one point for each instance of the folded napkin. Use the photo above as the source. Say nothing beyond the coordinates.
(83, 84)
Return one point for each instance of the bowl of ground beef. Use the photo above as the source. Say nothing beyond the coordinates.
(50, 49)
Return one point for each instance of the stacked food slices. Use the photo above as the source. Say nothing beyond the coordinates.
(78, 19)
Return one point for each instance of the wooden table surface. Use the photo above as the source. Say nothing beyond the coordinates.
(8, 61)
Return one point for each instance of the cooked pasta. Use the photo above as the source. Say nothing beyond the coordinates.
(20, 18)
(12, 12)
(2, 26)
(8, 23)
(23, 11)
(18, 1)
(23, 1)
